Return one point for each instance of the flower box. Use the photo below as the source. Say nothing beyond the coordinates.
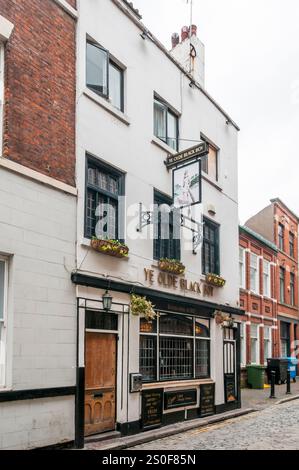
(215, 280)
(110, 247)
(171, 266)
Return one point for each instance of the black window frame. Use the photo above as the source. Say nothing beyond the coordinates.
(216, 228)
(105, 168)
(109, 62)
(170, 111)
(157, 337)
(160, 248)
(281, 237)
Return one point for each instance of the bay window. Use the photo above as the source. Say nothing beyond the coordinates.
(103, 75)
(174, 347)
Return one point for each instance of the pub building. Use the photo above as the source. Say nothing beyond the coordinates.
(158, 318)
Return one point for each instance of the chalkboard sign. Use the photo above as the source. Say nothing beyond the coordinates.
(180, 398)
(230, 388)
(207, 399)
(152, 408)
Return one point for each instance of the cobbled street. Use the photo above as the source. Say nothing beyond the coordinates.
(275, 428)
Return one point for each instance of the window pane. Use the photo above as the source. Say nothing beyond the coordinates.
(115, 86)
(212, 163)
(202, 352)
(205, 164)
(172, 131)
(176, 358)
(148, 354)
(160, 116)
(90, 213)
(176, 325)
(148, 326)
(2, 287)
(101, 321)
(202, 328)
(97, 69)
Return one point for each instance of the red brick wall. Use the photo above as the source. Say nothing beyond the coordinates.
(40, 84)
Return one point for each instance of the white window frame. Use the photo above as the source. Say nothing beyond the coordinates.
(269, 341)
(267, 292)
(3, 328)
(1, 94)
(243, 339)
(257, 338)
(255, 289)
(242, 271)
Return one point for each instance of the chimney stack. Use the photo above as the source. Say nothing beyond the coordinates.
(185, 33)
(175, 40)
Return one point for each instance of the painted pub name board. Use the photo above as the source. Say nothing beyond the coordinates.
(194, 152)
(171, 281)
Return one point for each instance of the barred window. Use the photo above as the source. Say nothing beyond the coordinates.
(174, 347)
(103, 188)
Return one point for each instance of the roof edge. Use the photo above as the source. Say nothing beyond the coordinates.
(277, 200)
(257, 236)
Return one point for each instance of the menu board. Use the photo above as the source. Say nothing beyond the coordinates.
(230, 388)
(207, 399)
(152, 408)
(180, 398)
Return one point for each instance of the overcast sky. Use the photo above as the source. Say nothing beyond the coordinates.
(252, 70)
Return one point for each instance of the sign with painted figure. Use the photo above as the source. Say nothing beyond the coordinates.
(187, 185)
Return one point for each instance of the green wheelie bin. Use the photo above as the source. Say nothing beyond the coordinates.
(256, 376)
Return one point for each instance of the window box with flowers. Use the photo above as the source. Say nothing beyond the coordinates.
(215, 280)
(110, 247)
(171, 266)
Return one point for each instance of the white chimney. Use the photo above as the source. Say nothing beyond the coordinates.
(190, 53)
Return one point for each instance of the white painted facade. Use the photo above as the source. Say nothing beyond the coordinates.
(37, 238)
(126, 141)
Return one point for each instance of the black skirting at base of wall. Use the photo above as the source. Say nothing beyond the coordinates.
(135, 427)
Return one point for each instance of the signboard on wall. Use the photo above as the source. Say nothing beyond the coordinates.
(230, 388)
(152, 408)
(207, 399)
(180, 398)
(187, 185)
(199, 150)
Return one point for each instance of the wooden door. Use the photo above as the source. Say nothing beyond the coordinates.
(100, 383)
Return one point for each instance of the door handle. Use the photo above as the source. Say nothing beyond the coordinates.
(98, 395)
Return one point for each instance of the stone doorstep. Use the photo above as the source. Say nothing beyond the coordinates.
(171, 430)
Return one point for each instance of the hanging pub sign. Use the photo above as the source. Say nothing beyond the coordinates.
(199, 150)
(187, 185)
(152, 408)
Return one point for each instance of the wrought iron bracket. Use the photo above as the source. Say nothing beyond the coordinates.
(197, 230)
(145, 218)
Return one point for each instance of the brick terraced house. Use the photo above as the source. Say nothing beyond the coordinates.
(37, 222)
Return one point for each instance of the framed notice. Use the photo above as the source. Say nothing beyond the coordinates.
(207, 399)
(230, 388)
(180, 399)
(187, 185)
(152, 408)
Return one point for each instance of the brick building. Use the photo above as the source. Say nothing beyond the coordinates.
(37, 222)
(278, 224)
(258, 289)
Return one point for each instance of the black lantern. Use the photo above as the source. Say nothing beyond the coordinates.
(107, 301)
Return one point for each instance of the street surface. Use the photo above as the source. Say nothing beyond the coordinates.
(274, 428)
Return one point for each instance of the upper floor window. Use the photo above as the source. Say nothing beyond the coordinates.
(266, 278)
(103, 188)
(167, 243)
(242, 270)
(1, 92)
(166, 124)
(281, 237)
(210, 249)
(282, 284)
(254, 273)
(292, 289)
(209, 163)
(104, 76)
(3, 301)
(292, 244)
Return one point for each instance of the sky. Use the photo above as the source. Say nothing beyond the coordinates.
(252, 70)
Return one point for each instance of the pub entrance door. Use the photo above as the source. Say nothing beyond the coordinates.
(229, 365)
(100, 382)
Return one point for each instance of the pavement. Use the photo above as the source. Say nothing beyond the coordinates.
(259, 414)
(272, 428)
